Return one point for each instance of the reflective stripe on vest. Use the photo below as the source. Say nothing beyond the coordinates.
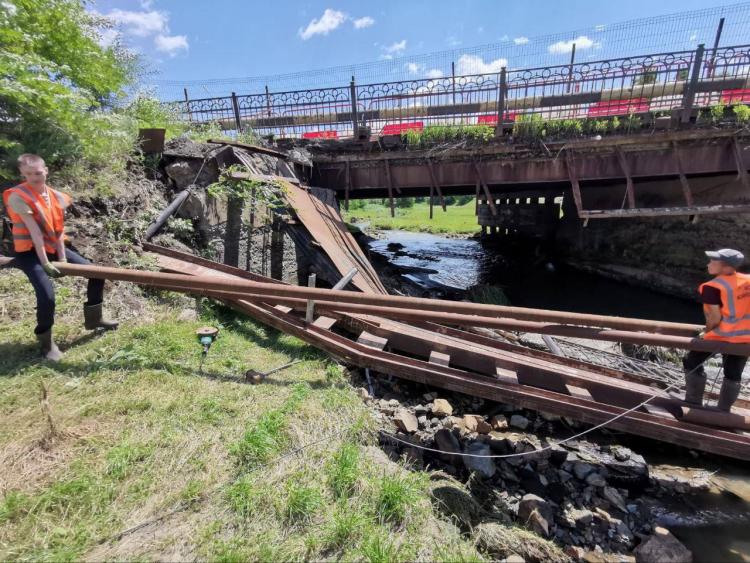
(735, 308)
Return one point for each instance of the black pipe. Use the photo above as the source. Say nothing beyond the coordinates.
(171, 209)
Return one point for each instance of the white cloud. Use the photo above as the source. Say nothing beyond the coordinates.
(472, 64)
(581, 42)
(600, 27)
(520, 40)
(361, 23)
(452, 41)
(147, 4)
(140, 24)
(171, 44)
(480, 29)
(418, 69)
(505, 38)
(330, 20)
(693, 37)
(395, 48)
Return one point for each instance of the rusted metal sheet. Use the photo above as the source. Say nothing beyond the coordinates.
(326, 227)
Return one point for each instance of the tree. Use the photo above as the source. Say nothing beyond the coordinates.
(56, 76)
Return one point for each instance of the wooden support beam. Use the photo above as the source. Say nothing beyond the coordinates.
(348, 185)
(658, 411)
(686, 191)
(440, 359)
(741, 172)
(663, 211)
(432, 197)
(629, 190)
(574, 183)
(578, 392)
(434, 182)
(326, 323)
(476, 200)
(371, 341)
(506, 375)
(389, 182)
(480, 179)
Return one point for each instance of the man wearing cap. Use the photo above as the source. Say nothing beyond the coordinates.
(726, 304)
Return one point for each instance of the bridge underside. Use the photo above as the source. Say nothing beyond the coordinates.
(680, 173)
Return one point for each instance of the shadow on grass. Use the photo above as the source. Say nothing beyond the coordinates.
(17, 357)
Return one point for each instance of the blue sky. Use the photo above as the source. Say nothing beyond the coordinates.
(190, 39)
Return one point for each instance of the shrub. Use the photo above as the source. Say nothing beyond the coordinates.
(741, 113)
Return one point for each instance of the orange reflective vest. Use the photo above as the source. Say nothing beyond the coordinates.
(735, 308)
(51, 219)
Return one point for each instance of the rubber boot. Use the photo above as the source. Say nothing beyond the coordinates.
(92, 317)
(49, 348)
(730, 390)
(695, 384)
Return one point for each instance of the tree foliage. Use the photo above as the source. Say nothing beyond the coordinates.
(57, 81)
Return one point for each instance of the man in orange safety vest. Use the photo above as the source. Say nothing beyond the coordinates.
(726, 305)
(37, 215)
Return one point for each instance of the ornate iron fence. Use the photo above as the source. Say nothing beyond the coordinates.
(599, 90)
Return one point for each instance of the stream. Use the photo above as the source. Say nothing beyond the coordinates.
(712, 523)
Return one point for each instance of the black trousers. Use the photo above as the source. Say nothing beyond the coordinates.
(29, 263)
(733, 365)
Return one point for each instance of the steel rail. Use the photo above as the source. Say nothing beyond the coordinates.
(391, 301)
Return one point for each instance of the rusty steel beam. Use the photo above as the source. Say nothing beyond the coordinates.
(664, 340)
(481, 311)
(504, 390)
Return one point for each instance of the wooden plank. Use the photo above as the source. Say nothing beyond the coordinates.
(283, 308)
(371, 341)
(506, 375)
(434, 182)
(741, 172)
(686, 191)
(664, 211)
(485, 187)
(348, 185)
(251, 148)
(575, 185)
(326, 323)
(579, 392)
(389, 183)
(439, 358)
(629, 190)
(658, 411)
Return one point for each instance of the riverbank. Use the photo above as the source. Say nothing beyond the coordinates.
(456, 220)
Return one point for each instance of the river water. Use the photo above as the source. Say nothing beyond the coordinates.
(713, 523)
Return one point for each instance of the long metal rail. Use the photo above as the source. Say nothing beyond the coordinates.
(461, 361)
(464, 362)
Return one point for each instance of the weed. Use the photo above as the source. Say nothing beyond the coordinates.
(122, 458)
(717, 112)
(379, 549)
(260, 442)
(741, 113)
(245, 498)
(301, 503)
(488, 294)
(13, 506)
(343, 470)
(346, 526)
(394, 496)
(335, 373)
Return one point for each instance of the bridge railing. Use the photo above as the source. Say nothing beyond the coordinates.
(566, 94)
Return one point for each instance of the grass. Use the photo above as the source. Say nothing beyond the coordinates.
(216, 468)
(457, 219)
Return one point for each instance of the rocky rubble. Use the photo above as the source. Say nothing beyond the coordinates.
(590, 498)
